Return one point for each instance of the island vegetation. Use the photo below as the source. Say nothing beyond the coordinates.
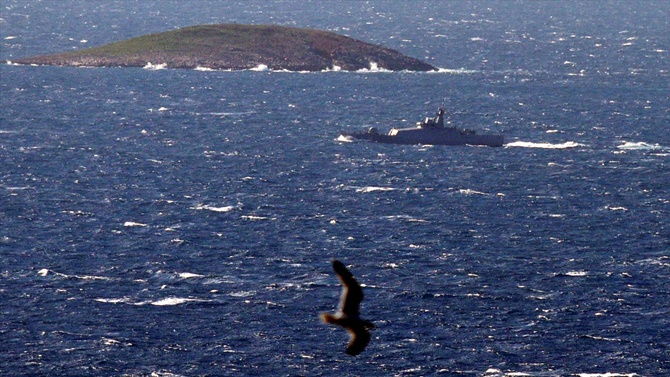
(238, 47)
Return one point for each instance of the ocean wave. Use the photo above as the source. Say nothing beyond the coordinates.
(405, 217)
(133, 223)
(172, 301)
(457, 71)
(334, 68)
(471, 192)
(243, 294)
(373, 189)
(616, 208)
(169, 301)
(345, 139)
(256, 218)
(260, 68)
(608, 374)
(573, 274)
(113, 300)
(374, 68)
(16, 188)
(227, 113)
(530, 144)
(189, 275)
(642, 146)
(45, 272)
(155, 67)
(201, 207)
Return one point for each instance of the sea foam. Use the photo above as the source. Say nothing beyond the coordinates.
(630, 145)
(530, 144)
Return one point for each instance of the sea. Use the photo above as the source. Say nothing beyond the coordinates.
(165, 222)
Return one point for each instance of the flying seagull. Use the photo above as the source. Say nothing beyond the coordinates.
(347, 314)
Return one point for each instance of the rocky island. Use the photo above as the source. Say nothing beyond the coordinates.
(239, 47)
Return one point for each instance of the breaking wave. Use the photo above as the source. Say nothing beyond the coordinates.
(374, 67)
(373, 189)
(216, 209)
(169, 301)
(155, 67)
(529, 144)
(630, 145)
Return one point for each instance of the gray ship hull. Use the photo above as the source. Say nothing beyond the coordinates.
(429, 132)
(436, 136)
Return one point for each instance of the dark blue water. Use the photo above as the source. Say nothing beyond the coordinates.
(173, 222)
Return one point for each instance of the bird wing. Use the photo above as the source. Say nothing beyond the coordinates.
(352, 294)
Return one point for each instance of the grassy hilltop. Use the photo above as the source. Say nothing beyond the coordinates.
(235, 46)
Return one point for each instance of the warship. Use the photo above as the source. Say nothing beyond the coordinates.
(431, 131)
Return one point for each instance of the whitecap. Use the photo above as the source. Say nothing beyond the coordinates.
(630, 145)
(216, 209)
(619, 208)
(222, 113)
(165, 374)
(172, 301)
(113, 300)
(404, 217)
(90, 277)
(45, 272)
(110, 341)
(10, 37)
(493, 372)
(243, 294)
(189, 275)
(662, 261)
(458, 71)
(374, 67)
(203, 69)
(255, 218)
(260, 68)
(345, 139)
(334, 68)
(155, 67)
(529, 144)
(607, 374)
(471, 192)
(602, 337)
(132, 223)
(373, 189)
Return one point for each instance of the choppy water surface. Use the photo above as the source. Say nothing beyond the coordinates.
(174, 222)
